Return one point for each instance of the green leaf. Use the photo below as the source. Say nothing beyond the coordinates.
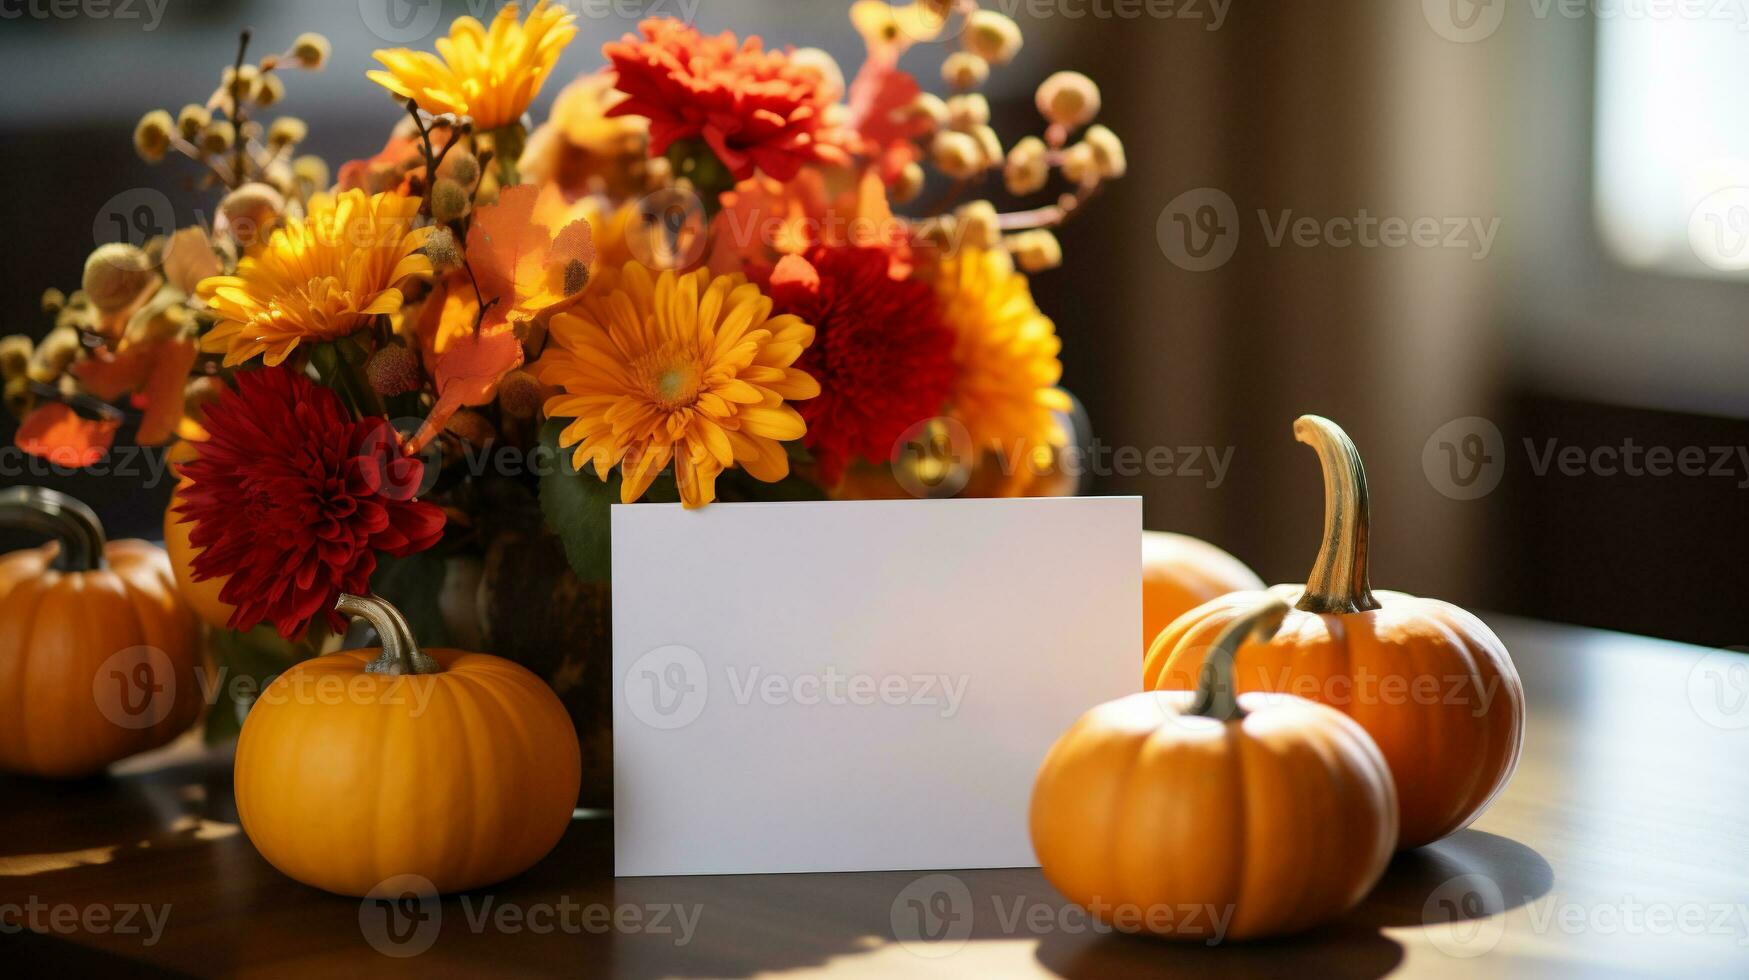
(224, 720)
(737, 485)
(247, 663)
(576, 506)
(413, 584)
(797, 452)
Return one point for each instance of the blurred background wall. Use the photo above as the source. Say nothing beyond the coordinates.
(1557, 306)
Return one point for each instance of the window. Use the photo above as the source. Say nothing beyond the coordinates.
(1672, 168)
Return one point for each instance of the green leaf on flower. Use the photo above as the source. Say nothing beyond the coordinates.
(576, 506)
(736, 485)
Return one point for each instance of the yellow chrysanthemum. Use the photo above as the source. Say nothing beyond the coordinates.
(489, 75)
(681, 369)
(318, 278)
(1006, 350)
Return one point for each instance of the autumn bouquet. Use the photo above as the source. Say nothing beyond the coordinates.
(717, 271)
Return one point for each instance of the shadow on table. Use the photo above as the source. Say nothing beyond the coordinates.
(1340, 950)
(105, 820)
(174, 830)
(1470, 874)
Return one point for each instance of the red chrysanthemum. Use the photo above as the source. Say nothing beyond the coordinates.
(754, 108)
(881, 353)
(291, 498)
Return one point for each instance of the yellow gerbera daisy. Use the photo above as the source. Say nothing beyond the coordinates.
(681, 369)
(319, 278)
(491, 76)
(1006, 351)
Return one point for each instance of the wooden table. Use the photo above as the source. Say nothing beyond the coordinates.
(1620, 848)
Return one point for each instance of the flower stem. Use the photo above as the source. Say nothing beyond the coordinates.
(239, 169)
(694, 160)
(340, 372)
(507, 144)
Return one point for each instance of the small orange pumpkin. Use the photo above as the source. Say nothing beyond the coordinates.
(1207, 815)
(359, 766)
(98, 654)
(1429, 682)
(1179, 573)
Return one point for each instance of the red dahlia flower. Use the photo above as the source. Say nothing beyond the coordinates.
(291, 498)
(754, 108)
(881, 353)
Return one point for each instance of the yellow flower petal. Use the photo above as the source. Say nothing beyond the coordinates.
(651, 372)
(318, 278)
(490, 76)
(1006, 350)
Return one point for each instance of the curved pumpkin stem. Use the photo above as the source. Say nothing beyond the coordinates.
(64, 518)
(401, 654)
(1217, 696)
(1338, 583)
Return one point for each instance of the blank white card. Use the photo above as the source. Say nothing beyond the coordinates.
(857, 686)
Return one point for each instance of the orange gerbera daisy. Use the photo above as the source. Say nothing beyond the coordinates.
(490, 76)
(1006, 351)
(678, 368)
(319, 278)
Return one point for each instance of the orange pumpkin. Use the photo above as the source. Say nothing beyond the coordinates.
(1207, 815)
(360, 766)
(98, 654)
(1429, 682)
(203, 595)
(1179, 573)
(181, 451)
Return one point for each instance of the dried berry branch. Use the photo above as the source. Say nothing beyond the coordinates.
(239, 169)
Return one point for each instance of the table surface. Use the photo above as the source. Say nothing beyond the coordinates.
(1621, 847)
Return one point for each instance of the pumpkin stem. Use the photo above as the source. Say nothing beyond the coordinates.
(1338, 583)
(1217, 696)
(65, 519)
(401, 654)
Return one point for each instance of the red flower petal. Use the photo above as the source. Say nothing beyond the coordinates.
(291, 498)
(882, 356)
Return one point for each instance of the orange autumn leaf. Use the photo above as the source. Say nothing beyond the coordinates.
(157, 370)
(526, 268)
(879, 97)
(466, 363)
(60, 435)
(763, 220)
(530, 253)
